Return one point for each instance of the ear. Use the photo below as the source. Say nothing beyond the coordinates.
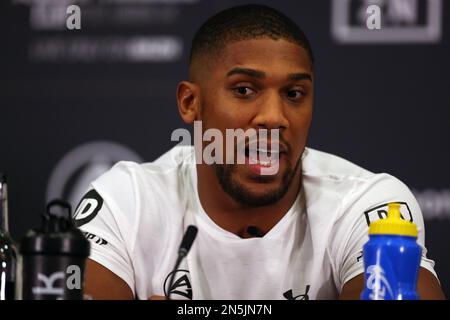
(188, 98)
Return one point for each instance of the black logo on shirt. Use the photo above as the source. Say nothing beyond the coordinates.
(181, 284)
(290, 296)
(88, 208)
(96, 239)
(380, 212)
(360, 256)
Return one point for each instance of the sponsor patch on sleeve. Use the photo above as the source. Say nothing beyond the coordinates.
(95, 238)
(380, 212)
(88, 208)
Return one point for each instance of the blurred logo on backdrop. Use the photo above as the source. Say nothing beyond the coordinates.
(126, 31)
(402, 21)
(434, 203)
(72, 175)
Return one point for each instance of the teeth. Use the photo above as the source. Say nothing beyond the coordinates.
(264, 151)
(265, 163)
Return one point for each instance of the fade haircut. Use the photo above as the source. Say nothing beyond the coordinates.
(246, 22)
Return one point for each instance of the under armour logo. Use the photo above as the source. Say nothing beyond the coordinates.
(290, 296)
(181, 286)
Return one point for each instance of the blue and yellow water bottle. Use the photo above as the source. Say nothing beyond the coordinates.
(391, 259)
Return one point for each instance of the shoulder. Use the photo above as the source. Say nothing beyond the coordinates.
(149, 187)
(325, 165)
(345, 189)
(129, 177)
(342, 200)
(332, 170)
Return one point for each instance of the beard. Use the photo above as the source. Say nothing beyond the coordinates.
(226, 173)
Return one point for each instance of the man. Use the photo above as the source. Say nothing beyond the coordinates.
(293, 234)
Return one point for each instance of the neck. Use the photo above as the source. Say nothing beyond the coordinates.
(235, 217)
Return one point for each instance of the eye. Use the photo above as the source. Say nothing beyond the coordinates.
(244, 92)
(295, 94)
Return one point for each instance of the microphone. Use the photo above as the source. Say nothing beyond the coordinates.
(255, 232)
(185, 246)
(188, 240)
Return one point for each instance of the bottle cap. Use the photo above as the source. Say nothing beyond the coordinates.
(57, 235)
(3, 178)
(393, 224)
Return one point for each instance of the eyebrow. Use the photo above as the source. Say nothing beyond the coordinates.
(260, 74)
(300, 76)
(246, 71)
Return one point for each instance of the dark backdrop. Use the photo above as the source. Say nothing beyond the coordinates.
(72, 102)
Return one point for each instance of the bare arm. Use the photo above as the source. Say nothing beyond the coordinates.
(427, 286)
(103, 284)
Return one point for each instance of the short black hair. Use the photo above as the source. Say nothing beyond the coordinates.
(251, 21)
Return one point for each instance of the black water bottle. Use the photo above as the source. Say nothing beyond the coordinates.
(53, 257)
(7, 249)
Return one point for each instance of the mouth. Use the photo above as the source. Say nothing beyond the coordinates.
(261, 148)
(265, 160)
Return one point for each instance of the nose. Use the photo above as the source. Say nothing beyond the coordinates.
(271, 113)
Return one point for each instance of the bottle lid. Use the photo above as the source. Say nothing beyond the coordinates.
(393, 224)
(3, 178)
(57, 235)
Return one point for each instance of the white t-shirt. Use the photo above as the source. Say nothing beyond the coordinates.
(136, 214)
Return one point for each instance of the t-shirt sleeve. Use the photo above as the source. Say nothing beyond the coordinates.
(367, 203)
(106, 215)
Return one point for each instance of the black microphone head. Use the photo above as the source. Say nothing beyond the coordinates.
(188, 240)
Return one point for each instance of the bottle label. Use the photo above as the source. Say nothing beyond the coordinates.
(378, 283)
(391, 265)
